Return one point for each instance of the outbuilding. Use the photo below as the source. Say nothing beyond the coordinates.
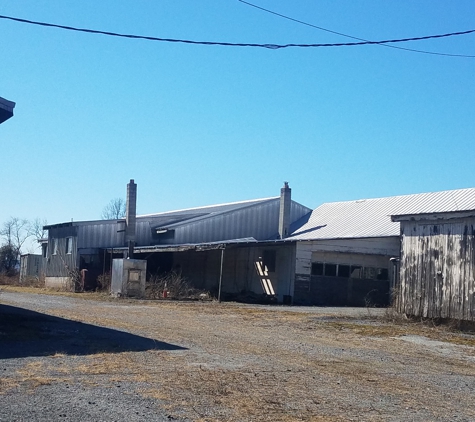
(437, 266)
(346, 251)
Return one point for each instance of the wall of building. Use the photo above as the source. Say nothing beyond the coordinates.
(62, 256)
(244, 269)
(437, 269)
(345, 272)
(31, 265)
(258, 221)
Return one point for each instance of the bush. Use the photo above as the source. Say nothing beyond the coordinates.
(104, 282)
(176, 287)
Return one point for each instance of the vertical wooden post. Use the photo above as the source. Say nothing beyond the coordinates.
(221, 275)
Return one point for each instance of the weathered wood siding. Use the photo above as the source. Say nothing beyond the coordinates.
(437, 269)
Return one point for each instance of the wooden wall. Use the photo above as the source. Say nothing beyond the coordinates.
(437, 269)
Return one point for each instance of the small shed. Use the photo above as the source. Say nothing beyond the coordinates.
(437, 265)
(31, 266)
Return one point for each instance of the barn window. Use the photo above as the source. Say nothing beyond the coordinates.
(317, 268)
(54, 246)
(44, 249)
(343, 271)
(268, 260)
(330, 270)
(69, 245)
(369, 273)
(355, 271)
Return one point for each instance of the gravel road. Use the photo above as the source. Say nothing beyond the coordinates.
(86, 359)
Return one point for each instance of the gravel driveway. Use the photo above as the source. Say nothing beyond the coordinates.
(86, 359)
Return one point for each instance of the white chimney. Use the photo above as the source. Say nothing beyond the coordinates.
(284, 212)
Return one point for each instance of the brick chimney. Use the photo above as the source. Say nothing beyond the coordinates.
(284, 212)
(130, 216)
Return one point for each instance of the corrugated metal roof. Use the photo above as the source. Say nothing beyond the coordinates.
(209, 209)
(372, 217)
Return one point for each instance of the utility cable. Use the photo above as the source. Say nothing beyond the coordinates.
(229, 44)
(346, 35)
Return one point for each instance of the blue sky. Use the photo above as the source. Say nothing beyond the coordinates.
(199, 125)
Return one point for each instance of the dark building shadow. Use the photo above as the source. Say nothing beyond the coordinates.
(25, 333)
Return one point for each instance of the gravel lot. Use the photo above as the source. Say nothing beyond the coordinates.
(87, 358)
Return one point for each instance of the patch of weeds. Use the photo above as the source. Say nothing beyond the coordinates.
(173, 285)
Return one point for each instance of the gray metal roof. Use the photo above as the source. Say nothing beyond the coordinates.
(372, 217)
(190, 213)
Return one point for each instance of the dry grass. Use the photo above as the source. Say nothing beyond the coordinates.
(246, 363)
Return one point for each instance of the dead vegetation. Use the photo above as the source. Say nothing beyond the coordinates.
(14, 280)
(173, 285)
(243, 363)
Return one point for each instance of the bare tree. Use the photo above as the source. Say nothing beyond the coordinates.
(114, 210)
(15, 232)
(35, 228)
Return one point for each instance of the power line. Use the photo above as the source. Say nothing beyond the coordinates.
(349, 36)
(229, 44)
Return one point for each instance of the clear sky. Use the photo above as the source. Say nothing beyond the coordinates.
(200, 125)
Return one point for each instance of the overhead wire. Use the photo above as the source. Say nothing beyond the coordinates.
(383, 43)
(230, 44)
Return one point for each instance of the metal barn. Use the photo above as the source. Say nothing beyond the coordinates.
(221, 244)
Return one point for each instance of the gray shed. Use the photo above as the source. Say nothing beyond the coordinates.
(437, 267)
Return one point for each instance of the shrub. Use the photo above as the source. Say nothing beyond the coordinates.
(176, 287)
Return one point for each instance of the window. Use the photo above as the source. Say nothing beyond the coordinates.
(355, 271)
(44, 249)
(268, 261)
(369, 273)
(343, 271)
(54, 246)
(383, 274)
(330, 270)
(69, 245)
(317, 268)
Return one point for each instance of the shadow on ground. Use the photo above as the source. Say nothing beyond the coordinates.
(25, 333)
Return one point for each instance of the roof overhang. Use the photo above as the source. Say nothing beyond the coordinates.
(433, 216)
(226, 244)
(6, 109)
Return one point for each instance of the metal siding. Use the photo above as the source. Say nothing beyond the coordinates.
(257, 221)
(371, 217)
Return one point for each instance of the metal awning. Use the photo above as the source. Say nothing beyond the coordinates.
(6, 109)
(202, 246)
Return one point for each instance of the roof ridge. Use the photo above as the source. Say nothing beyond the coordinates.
(449, 191)
(208, 206)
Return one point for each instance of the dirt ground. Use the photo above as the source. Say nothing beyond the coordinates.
(86, 357)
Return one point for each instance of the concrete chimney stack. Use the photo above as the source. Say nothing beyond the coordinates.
(130, 216)
(284, 212)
